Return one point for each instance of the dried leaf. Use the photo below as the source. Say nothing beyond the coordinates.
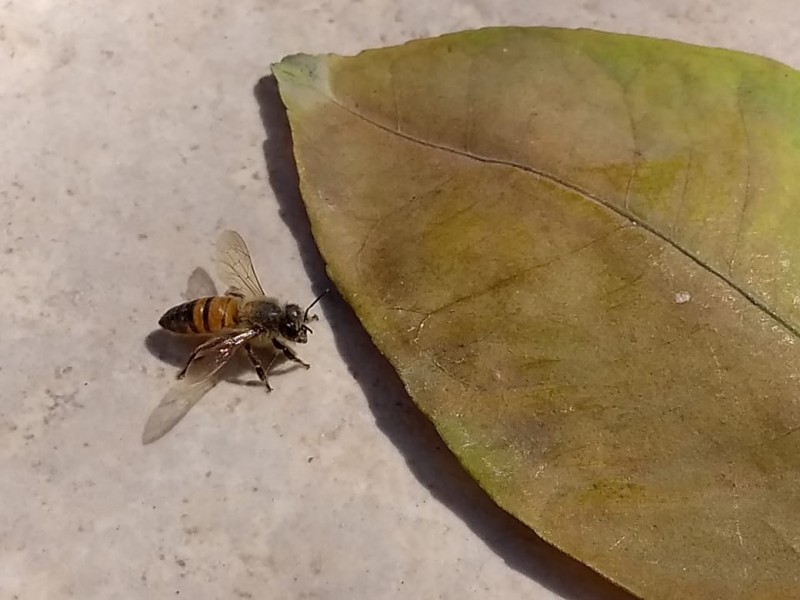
(580, 251)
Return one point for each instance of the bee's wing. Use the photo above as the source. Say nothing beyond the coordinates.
(234, 266)
(201, 375)
(199, 285)
(178, 401)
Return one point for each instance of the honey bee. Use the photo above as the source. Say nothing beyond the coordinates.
(245, 317)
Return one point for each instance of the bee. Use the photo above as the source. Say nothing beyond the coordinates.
(245, 317)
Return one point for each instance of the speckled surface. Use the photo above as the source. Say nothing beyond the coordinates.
(131, 136)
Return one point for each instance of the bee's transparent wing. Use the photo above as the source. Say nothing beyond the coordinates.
(199, 285)
(201, 375)
(178, 401)
(234, 266)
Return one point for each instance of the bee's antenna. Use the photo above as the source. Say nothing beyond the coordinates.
(317, 299)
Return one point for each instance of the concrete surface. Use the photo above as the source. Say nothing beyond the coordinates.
(131, 136)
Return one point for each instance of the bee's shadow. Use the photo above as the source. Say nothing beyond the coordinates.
(396, 415)
(174, 350)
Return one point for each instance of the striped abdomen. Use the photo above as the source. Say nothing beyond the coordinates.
(204, 315)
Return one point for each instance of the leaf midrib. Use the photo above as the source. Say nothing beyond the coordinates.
(585, 194)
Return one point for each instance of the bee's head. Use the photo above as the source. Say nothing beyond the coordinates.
(293, 326)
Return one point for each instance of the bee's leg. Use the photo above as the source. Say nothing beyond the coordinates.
(201, 348)
(289, 353)
(262, 374)
(234, 292)
(185, 367)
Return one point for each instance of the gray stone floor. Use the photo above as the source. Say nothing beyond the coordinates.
(131, 136)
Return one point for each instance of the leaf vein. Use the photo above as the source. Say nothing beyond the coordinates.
(587, 195)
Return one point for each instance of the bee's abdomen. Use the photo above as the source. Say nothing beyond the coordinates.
(204, 315)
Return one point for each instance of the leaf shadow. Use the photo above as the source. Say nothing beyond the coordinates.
(396, 415)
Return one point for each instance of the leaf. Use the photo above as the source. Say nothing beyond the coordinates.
(580, 251)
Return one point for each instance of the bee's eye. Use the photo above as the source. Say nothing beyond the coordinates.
(290, 329)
